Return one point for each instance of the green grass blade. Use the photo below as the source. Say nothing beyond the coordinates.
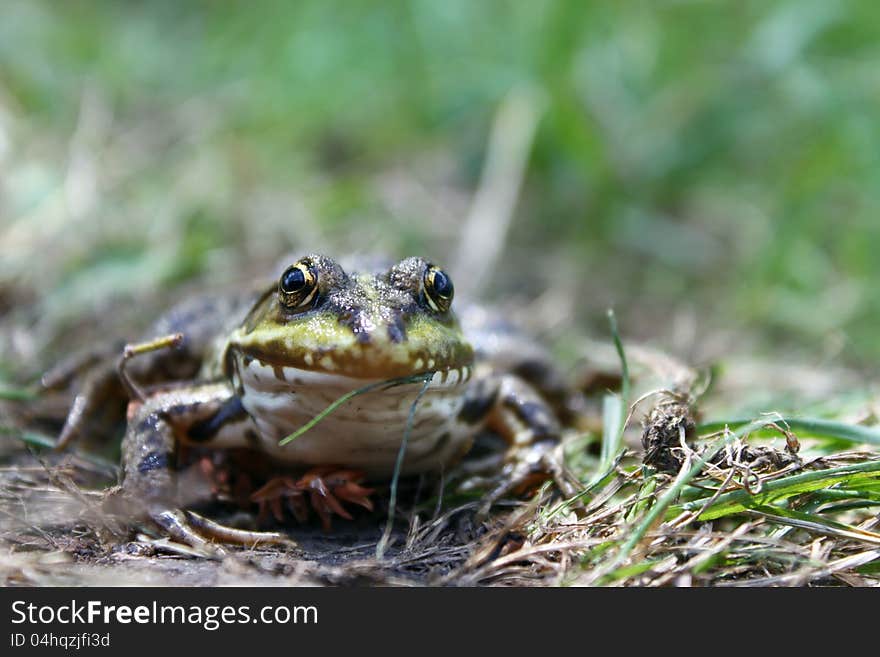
(612, 429)
(389, 383)
(812, 427)
(773, 491)
(615, 408)
(665, 501)
(45, 442)
(398, 466)
(626, 384)
(18, 394)
(816, 523)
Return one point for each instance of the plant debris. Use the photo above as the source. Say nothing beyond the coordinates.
(667, 428)
(751, 515)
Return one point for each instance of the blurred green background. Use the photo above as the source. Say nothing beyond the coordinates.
(706, 168)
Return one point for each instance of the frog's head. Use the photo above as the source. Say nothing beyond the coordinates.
(380, 325)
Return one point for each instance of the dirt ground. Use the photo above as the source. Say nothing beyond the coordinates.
(54, 530)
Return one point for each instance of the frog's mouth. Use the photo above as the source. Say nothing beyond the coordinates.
(263, 377)
(320, 345)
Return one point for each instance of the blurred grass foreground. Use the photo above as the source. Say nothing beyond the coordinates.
(688, 161)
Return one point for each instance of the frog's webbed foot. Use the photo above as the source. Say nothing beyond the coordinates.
(326, 488)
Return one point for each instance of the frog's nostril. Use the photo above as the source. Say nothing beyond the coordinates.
(397, 331)
(362, 334)
(360, 324)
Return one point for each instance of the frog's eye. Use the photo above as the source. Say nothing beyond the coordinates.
(297, 286)
(439, 289)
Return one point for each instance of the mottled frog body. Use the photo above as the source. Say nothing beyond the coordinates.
(316, 334)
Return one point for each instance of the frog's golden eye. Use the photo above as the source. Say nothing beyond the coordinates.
(297, 286)
(439, 289)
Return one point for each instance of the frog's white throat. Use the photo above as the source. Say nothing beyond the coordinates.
(366, 430)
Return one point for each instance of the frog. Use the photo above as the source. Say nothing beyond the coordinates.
(248, 371)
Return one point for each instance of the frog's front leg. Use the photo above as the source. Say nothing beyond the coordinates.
(514, 410)
(209, 414)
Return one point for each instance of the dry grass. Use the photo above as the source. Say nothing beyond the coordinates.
(739, 508)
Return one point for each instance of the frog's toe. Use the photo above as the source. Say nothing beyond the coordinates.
(100, 401)
(197, 531)
(345, 484)
(532, 466)
(356, 494)
(270, 497)
(71, 429)
(510, 484)
(175, 524)
(326, 488)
